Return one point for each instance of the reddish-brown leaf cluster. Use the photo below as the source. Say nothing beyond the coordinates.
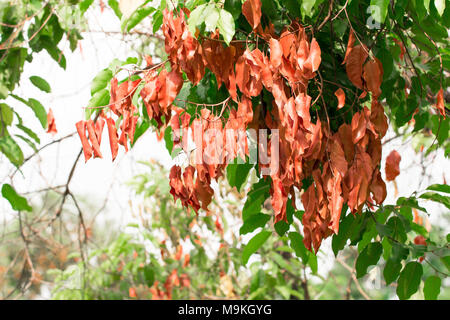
(337, 167)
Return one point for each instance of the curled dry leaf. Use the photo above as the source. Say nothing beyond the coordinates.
(51, 126)
(393, 165)
(81, 129)
(276, 52)
(350, 43)
(93, 139)
(113, 139)
(440, 106)
(340, 94)
(251, 9)
(354, 65)
(373, 76)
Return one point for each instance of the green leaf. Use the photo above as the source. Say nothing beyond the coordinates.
(211, 14)
(369, 256)
(11, 150)
(40, 83)
(85, 4)
(391, 270)
(7, 115)
(307, 6)
(37, 108)
(17, 202)
(237, 174)
(432, 288)
(281, 227)
(157, 20)
(254, 244)
(348, 225)
(29, 132)
(446, 261)
(397, 229)
(149, 275)
(440, 6)
(298, 246)
(140, 130)
(255, 198)
(436, 197)
(409, 280)
(136, 17)
(28, 141)
(115, 6)
(312, 262)
(235, 7)
(196, 18)
(253, 222)
(99, 99)
(101, 80)
(226, 26)
(168, 139)
(380, 13)
(439, 187)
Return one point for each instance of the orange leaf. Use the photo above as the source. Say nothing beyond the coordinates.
(350, 43)
(359, 126)
(179, 252)
(99, 124)
(112, 132)
(440, 102)
(251, 9)
(132, 293)
(378, 187)
(354, 65)
(314, 58)
(87, 150)
(340, 94)
(276, 52)
(93, 139)
(337, 157)
(373, 76)
(393, 165)
(51, 122)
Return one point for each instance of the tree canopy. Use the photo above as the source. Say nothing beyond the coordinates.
(286, 101)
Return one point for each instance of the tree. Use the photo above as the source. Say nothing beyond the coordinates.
(324, 81)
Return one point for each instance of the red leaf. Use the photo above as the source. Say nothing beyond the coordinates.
(51, 122)
(132, 293)
(99, 124)
(276, 53)
(373, 76)
(392, 165)
(378, 187)
(337, 157)
(93, 139)
(314, 57)
(359, 126)
(87, 150)
(112, 132)
(440, 102)
(350, 43)
(420, 240)
(251, 9)
(173, 84)
(340, 94)
(354, 65)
